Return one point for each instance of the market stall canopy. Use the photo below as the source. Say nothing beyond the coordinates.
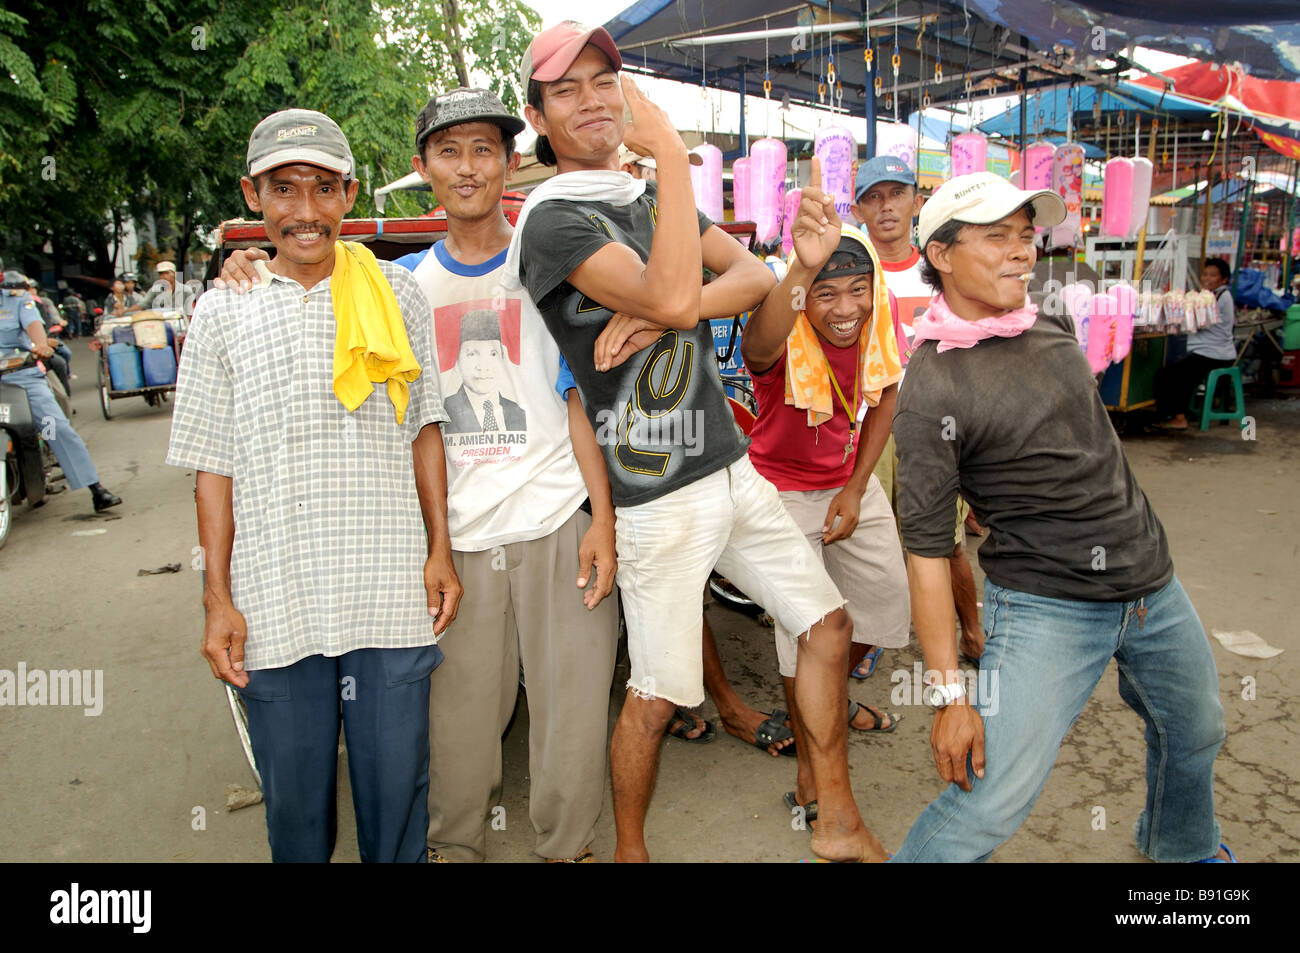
(1048, 110)
(1233, 190)
(1199, 92)
(792, 46)
(409, 182)
(989, 41)
(1263, 33)
(1273, 105)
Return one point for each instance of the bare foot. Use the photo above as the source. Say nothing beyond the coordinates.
(743, 723)
(835, 841)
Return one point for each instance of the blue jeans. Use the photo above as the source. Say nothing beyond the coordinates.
(382, 698)
(1042, 659)
(73, 457)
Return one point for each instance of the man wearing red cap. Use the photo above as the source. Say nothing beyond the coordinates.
(611, 259)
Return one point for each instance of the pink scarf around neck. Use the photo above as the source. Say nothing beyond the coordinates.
(940, 324)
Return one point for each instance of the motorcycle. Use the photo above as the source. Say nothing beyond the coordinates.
(28, 460)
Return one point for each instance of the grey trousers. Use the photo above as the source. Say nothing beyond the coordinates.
(521, 604)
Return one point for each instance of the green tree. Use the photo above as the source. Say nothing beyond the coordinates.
(114, 112)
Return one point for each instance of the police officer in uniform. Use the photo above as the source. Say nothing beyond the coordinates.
(21, 327)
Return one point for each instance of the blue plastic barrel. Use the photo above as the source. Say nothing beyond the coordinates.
(159, 364)
(124, 367)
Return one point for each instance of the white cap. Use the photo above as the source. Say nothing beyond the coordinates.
(983, 198)
(164, 266)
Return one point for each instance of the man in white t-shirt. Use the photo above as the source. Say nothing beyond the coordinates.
(518, 474)
(886, 201)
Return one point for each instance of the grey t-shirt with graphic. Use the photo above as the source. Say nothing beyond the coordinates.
(661, 418)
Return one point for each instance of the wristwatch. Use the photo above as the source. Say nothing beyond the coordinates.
(941, 696)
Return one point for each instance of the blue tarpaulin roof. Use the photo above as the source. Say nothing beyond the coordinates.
(1264, 34)
(1046, 110)
(967, 34)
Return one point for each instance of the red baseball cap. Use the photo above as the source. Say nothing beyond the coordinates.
(553, 51)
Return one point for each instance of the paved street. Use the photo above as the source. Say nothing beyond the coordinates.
(145, 779)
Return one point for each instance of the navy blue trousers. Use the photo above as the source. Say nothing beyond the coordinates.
(381, 696)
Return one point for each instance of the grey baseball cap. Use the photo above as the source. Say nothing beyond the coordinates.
(462, 105)
(299, 135)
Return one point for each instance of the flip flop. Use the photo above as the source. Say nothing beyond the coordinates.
(774, 730)
(878, 715)
(809, 809)
(1232, 858)
(585, 856)
(871, 658)
(687, 724)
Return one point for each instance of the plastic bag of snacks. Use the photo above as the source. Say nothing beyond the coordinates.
(1211, 308)
(1150, 309)
(1173, 307)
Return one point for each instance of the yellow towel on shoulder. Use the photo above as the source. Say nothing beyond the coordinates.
(370, 344)
(807, 375)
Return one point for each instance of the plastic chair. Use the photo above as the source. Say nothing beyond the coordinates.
(1238, 411)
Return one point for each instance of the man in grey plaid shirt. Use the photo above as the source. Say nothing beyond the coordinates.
(329, 575)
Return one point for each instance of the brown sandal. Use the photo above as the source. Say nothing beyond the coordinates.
(584, 857)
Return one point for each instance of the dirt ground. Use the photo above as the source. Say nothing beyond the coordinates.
(145, 779)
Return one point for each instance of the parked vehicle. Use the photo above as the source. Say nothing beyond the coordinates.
(27, 458)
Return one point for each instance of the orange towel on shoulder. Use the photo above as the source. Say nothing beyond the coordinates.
(807, 375)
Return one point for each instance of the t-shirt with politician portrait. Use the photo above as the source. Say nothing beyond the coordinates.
(511, 472)
(480, 404)
(661, 418)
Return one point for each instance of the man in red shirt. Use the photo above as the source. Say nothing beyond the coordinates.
(829, 322)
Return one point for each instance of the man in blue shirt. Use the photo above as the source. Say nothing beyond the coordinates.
(21, 328)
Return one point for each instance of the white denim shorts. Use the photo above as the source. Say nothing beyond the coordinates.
(867, 567)
(732, 519)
